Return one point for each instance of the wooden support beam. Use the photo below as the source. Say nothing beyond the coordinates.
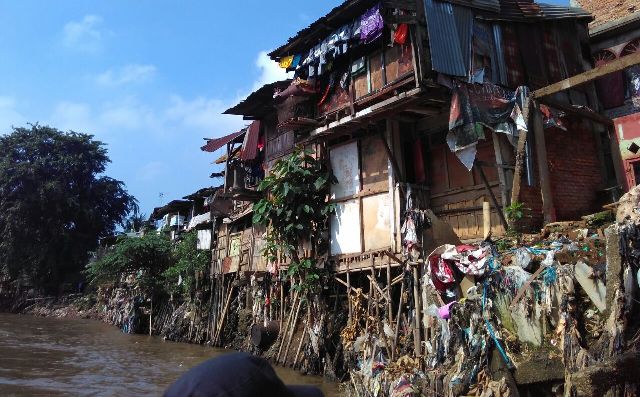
(520, 155)
(582, 112)
(392, 158)
(492, 196)
(502, 176)
(588, 76)
(548, 208)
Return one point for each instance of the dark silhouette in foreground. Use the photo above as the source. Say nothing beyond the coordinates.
(236, 375)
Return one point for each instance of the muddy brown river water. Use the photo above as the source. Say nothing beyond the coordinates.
(73, 357)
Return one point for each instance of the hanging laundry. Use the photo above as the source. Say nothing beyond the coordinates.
(286, 62)
(476, 106)
(372, 25)
(400, 36)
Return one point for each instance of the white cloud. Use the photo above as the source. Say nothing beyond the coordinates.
(84, 35)
(269, 70)
(128, 113)
(132, 73)
(204, 114)
(9, 115)
(75, 116)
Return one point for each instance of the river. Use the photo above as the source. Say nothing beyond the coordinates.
(75, 357)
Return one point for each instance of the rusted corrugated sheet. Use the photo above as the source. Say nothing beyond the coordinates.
(448, 56)
(260, 102)
(250, 144)
(318, 30)
(214, 144)
(528, 10)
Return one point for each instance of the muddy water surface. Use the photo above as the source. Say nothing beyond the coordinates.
(72, 357)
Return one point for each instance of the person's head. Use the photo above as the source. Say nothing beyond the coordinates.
(236, 375)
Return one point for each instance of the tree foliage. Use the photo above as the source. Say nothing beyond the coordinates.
(159, 265)
(188, 260)
(147, 257)
(55, 202)
(296, 211)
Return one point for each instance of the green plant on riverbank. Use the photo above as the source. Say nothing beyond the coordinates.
(157, 264)
(147, 258)
(188, 263)
(296, 211)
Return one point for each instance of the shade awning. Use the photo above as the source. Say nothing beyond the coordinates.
(250, 144)
(214, 144)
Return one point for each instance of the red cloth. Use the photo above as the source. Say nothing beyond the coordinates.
(400, 36)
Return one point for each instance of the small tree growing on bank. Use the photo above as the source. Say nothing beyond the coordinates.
(55, 203)
(296, 212)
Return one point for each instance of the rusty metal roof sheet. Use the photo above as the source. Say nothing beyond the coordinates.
(321, 28)
(529, 11)
(214, 144)
(260, 102)
(250, 144)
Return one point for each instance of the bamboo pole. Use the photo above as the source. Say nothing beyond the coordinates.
(223, 315)
(486, 219)
(287, 324)
(349, 293)
(304, 335)
(397, 330)
(388, 290)
(292, 332)
(417, 312)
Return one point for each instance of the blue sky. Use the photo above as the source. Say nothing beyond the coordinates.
(148, 78)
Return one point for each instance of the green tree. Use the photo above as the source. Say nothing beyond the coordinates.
(188, 260)
(148, 257)
(55, 203)
(296, 211)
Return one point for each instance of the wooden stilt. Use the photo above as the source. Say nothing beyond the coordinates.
(285, 331)
(486, 219)
(389, 305)
(417, 317)
(520, 156)
(502, 176)
(223, 315)
(349, 293)
(304, 335)
(292, 332)
(548, 208)
(397, 330)
(491, 195)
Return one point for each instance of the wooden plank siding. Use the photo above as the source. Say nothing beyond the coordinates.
(457, 194)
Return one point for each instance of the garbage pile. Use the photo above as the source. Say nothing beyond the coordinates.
(499, 321)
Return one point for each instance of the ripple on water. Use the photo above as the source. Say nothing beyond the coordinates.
(61, 357)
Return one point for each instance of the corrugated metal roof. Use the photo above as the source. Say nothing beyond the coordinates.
(552, 11)
(250, 144)
(260, 102)
(528, 10)
(447, 55)
(214, 144)
(321, 28)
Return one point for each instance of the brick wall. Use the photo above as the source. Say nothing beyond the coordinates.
(575, 169)
(576, 176)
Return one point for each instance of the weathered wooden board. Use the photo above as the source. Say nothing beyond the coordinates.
(376, 221)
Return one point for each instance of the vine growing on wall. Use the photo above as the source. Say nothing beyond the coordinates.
(296, 210)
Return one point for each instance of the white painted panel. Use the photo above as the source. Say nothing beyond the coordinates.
(344, 164)
(345, 228)
(204, 239)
